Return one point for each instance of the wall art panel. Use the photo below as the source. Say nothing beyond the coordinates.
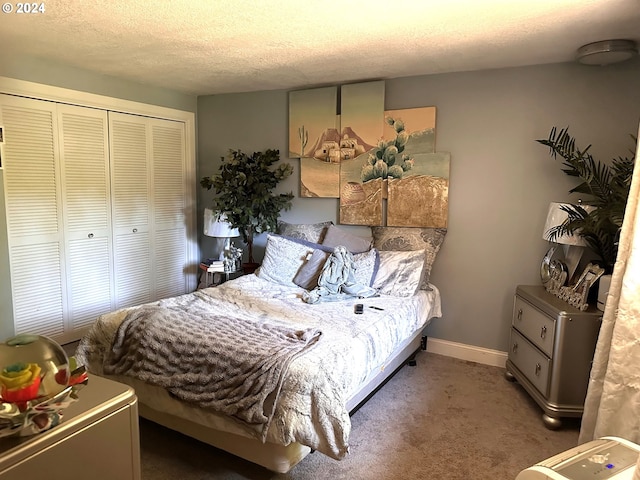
(313, 127)
(362, 117)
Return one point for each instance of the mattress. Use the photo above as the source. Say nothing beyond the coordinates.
(353, 350)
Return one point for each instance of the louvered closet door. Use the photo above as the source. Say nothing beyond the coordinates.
(34, 214)
(131, 200)
(169, 229)
(84, 155)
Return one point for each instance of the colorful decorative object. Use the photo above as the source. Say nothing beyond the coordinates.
(37, 381)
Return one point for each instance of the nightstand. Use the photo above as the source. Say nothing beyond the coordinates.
(551, 350)
(212, 279)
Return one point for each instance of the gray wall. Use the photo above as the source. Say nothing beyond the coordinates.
(43, 71)
(501, 180)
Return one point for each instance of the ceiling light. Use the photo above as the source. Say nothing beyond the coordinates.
(606, 52)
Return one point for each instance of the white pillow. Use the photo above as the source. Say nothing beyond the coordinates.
(282, 260)
(399, 272)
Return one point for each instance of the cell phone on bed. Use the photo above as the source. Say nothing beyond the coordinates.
(358, 308)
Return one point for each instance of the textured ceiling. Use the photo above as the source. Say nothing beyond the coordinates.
(221, 46)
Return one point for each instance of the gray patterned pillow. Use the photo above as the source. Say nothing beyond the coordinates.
(406, 239)
(399, 272)
(311, 232)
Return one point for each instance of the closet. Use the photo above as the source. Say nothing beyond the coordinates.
(96, 206)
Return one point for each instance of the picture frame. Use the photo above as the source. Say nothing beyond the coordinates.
(578, 294)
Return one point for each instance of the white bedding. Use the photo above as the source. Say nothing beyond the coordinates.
(351, 347)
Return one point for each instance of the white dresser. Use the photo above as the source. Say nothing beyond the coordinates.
(98, 439)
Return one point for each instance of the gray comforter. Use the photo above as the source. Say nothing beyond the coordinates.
(235, 368)
(311, 407)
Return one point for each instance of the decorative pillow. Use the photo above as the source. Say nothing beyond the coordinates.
(354, 243)
(282, 260)
(311, 232)
(366, 265)
(399, 272)
(307, 277)
(407, 238)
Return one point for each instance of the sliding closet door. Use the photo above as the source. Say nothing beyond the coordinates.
(149, 202)
(33, 202)
(131, 196)
(168, 207)
(84, 160)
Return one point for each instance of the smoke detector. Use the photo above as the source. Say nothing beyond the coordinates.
(606, 52)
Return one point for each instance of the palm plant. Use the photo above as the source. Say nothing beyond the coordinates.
(607, 189)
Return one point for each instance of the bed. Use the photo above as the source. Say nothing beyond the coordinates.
(333, 358)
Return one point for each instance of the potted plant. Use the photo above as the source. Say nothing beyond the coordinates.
(244, 192)
(606, 187)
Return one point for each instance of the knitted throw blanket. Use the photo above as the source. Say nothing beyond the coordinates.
(231, 366)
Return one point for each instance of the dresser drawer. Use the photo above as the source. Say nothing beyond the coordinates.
(530, 361)
(535, 325)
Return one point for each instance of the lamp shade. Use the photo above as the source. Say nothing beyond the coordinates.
(216, 225)
(557, 216)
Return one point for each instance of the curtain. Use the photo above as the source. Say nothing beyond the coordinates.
(612, 405)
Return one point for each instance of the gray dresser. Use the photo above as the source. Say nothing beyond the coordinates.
(551, 350)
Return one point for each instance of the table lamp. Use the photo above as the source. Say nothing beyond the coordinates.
(216, 225)
(572, 244)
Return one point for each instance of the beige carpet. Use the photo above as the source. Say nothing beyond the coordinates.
(442, 419)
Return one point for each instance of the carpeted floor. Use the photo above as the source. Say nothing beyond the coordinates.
(442, 419)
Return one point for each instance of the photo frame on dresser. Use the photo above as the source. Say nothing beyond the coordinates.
(578, 294)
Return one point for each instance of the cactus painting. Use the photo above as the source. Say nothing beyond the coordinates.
(366, 156)
(403, 168)
(304, 138)
(387, 158)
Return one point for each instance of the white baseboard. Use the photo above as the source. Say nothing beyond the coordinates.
(470, 353)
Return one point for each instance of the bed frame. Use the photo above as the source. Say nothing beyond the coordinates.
(279, 458)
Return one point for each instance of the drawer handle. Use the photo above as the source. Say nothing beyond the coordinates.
(90, 235)
(514, 348)
(135, 230)
(519, 314)
(543, 332)
(538, 368)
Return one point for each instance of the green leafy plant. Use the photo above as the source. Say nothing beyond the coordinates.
(606, 187)
(388, 159)
(244, 192)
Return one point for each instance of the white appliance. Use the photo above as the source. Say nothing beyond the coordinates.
(605, 458)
